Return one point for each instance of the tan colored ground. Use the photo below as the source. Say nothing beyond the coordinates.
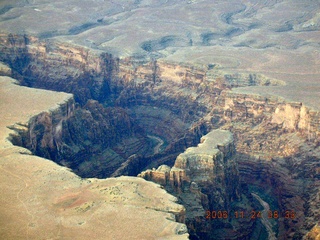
(41, 200)
(277, 38)
(299, 69)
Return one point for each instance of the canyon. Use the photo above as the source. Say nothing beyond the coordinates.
(42, 200)
(276, 143)
(160, 131)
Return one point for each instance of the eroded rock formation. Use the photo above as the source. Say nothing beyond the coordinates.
(277, 142)
(279, 154)
(206, 180)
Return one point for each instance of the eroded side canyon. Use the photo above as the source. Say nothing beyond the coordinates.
(119, 103)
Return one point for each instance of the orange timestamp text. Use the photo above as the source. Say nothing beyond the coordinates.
(223, 214)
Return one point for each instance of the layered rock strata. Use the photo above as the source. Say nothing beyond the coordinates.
(275, 139)
(123, 83)
(278, 152)
(92, 140)
(206, 178)
(40, 199)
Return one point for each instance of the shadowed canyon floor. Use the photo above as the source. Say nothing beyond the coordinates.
(145, 82)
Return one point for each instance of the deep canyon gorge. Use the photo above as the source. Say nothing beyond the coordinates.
(104, 131)
(197, 134)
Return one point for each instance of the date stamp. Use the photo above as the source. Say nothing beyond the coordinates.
(222, 214)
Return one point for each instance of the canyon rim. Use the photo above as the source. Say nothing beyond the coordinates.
(190, 119)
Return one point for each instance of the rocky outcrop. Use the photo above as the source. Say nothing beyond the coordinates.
(93, 140)
(276, 150)
(205, 178)
(56, 66)
(290, 116)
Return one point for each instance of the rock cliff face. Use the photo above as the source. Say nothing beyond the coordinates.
(204, 164)
(93, 140)
(278, 152)
(277, 142)
(57, 66)
(205, 179)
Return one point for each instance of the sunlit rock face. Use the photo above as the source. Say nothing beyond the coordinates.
(205, 178)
